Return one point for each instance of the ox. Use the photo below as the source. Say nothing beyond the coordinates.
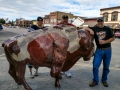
(48, 48)
(38, 48)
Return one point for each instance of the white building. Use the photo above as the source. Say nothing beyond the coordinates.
(111, 16)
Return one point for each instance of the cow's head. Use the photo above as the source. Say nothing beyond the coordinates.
(86, 44)
(90, 53)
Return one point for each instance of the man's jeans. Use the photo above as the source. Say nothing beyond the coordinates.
(100, 55)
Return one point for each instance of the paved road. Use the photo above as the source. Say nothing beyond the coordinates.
(81, 72)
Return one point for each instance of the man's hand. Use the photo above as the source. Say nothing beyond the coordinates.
(90, 30)
(106, 41)
(102, 42)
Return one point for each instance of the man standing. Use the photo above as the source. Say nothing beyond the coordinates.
(38, 26)
(33, 28)
(103, 37)
(65, 22)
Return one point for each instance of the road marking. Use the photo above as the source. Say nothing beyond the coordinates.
(2, 54)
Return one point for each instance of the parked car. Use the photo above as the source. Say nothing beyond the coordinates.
(1, 27)
(117, 33)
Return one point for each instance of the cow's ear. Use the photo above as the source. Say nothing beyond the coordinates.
(54, 45)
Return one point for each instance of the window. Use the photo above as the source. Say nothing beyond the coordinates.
(51, 20)
(54, 20)
(114, 16)
(105, 15)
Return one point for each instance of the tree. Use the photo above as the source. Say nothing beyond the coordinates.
(2, 21)
(11, 23)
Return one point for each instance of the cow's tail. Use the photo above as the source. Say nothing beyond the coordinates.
(6, 42)
(3, 44)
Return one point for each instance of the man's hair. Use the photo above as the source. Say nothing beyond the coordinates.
(39, 19)
(64, 17)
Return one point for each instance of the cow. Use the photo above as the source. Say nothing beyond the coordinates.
(57, 48)
(38, 48)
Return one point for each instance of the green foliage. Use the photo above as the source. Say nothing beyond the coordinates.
(2, 21)
(11, 23)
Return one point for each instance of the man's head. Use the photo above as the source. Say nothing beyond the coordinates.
(39, 21)
(100, 22)
(65, 19)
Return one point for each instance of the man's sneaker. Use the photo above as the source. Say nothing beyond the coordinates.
(93, 84)
(36, 73)
(62, 73)
(68, 73)
(31, 75)
(105, 84)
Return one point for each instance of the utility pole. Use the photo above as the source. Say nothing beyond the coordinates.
(19, 19)
(20, 15)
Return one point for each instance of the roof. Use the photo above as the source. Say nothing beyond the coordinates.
(46, 16)
(91, 18)
(110, 8)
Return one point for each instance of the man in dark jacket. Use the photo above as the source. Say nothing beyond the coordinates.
(33, 28)
(38, 26)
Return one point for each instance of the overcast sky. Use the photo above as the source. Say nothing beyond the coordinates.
(30, 9)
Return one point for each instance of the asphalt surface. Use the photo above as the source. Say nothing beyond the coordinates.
(81, 73)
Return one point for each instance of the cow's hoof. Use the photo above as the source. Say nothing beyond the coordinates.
(57, 88)
(19, 83)
(57, 85)
(28, 88)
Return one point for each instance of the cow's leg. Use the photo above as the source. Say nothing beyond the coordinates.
(21, 66)
(60, 76)
(57, 84)
(12, 69)
(55, 72)
(12, 72)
